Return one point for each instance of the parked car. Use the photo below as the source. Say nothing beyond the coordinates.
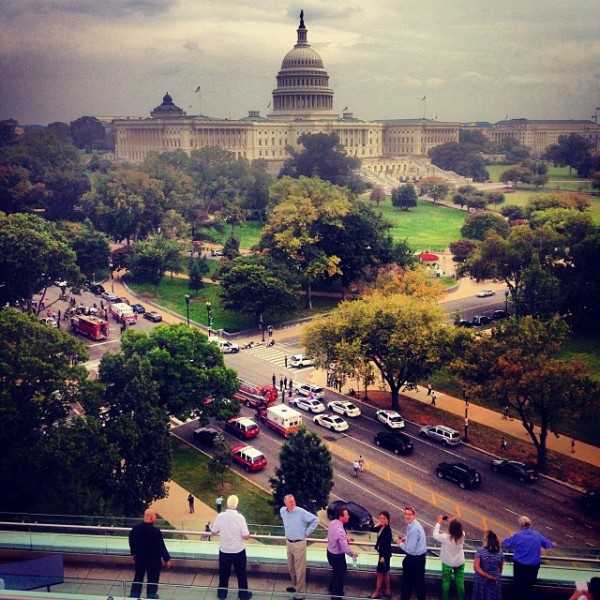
(332, 422)
(109, 296)
(207, 436)
(242, 427)
(485, 293)
(50, 321)
(360, 518)
(97, 289)
(153, 316)
(390, 418)
(308, 389)
(441, 434)
(299, 360)
(123, 300)
(499, 314)
(479, 320)
(228, 347)
(463, 323)
(397, 442)
(460, 473)
(249, 457)
(310, 404)
(138, 309)
(344, 408)
(513, 468)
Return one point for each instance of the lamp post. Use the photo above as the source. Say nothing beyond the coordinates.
(208, 311)
(506, 301)
(112, 277)
(466, 414)
(187, 305)
(262, 327)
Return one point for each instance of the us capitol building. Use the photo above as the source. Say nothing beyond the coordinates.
(301, 103)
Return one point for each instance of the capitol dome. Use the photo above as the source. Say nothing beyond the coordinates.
(303, 90)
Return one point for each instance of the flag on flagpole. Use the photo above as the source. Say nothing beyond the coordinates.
(424, 98)
(345, 108)
(197, 90)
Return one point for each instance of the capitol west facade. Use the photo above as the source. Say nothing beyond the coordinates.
(301, 103)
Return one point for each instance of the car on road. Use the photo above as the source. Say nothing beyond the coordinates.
(228, 347)
(109, 296)
(97, 289)
(207, 436)
(485, 293)
(397, 442)
(50, 321)
(249, 458)
(360, 518)
(242, 427)
(153, 316)
(310, 404)
(441, 434)
(332, 422)
(341, 407)
(390, 418)
(308, 389)
(138, 309)
(499, 314)
(298, 361)
(462, 474)
(479, 320)
(513, 468)
(463, 323)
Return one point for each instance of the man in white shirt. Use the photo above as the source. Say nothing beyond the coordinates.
(232, 529)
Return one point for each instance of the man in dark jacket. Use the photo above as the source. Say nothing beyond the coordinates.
(147, 549)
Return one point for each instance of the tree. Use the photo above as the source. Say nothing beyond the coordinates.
(33, 255)
(193, 381)
(514, 152)
(303, 207)
(517, 366)
(17, 192)
(8, 132)
(512, 212)
(404, 337)
(462, 249)
(304, 470)
(256, 285)
(405, 197)
(198, 269)
(435, 187)
(91, 249)
(478, 225)
(151, 259)
(231, 247)
(324, 157)
(377, 195)
(463, 157)
(571, 150)
(88, 134)
(221, 459)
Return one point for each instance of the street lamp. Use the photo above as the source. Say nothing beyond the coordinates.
(262, 327)
(112, 277)
(466, 414)
(208, 310)
(506, 301)
(187, 303)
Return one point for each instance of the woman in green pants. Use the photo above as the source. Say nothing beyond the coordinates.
(452, 556)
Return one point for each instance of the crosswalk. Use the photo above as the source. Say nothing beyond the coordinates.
(275, 355)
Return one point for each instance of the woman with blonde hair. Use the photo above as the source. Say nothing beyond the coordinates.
(452, 555)
(488, 563)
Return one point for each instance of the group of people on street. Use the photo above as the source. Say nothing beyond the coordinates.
(148, 550)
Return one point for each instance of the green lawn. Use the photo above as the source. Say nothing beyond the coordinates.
(248, 234)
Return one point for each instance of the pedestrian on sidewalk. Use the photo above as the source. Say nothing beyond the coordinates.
(572, 445)
(285, 383)
(429, 389)
(361, 463)
(274, 380)
(506, 413)
(433, 397)
(219, 503)
(503, 444)
(190, 500)
(281, 384)
(285, 360)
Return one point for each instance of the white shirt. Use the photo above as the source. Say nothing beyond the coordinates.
(231, 527)
(452, 553)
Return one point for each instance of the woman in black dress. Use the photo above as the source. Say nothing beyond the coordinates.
(384, 548)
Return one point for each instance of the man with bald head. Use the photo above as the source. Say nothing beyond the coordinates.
(147, 548)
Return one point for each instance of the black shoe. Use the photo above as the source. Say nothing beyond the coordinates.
(290, 589)
(246, 596)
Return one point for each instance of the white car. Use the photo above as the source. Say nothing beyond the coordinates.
(228, 347)
(390, 418)
(485, 293)
(344, 408)
(299, 360)
(332, 422)
(308, 389)
(310, 404)
(50, 321)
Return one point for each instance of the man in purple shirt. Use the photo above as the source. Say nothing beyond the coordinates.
(337, 548)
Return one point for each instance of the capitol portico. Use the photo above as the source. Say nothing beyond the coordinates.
(301, 103)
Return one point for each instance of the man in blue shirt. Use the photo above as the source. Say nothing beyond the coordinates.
(298, 525)
(413, 565)
(527, 544)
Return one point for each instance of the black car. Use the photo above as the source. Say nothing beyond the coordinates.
(398, 443)
(513, 468)
(591, 501)
(479, 320)
(499, 314)
(97, 289)
(463, 323)
(360, 518)
(465, 476)
(153, 316)
(207, 436)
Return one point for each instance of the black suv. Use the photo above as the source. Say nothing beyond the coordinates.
(360, 518)
(465, 476)
(207, 436)
(97, 289)
(398, 443)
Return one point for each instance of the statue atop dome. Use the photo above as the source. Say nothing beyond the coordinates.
(302, 18)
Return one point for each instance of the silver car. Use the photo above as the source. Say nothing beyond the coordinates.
(441, 434)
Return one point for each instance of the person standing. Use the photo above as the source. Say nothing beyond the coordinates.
(527, 544)
(219, 503)
(232, 529)
(285, 360)
(190, 500)
(414, 543)
(338, 545)
(383, 546)
(429, 389)
(503, 444)
(147, 548)
(572, 445)
(274, 380)
(452, 555)
(488, 564)
(433, 397)
(361, 463)
(298, 524)
(208, 531)
(356, 467)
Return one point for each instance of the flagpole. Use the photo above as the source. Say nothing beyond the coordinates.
(199, 92)
(424, 107)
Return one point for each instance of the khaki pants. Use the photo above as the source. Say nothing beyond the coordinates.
(296, 554)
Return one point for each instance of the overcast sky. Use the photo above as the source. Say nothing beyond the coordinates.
(480, 60)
